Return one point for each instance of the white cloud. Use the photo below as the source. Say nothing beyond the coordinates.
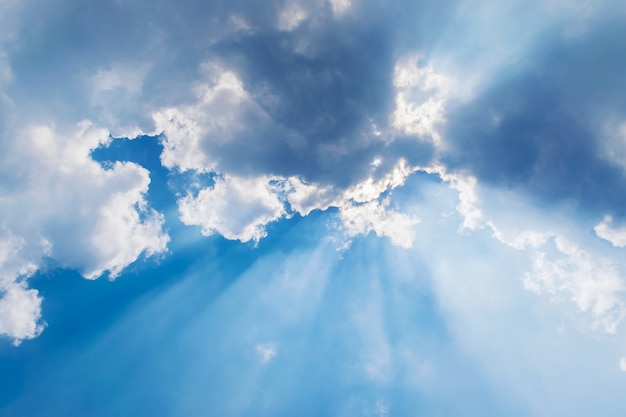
(622, 364)
(76, 204)
(223, 110)
(20, 307)
(20, 312)
(466, 185)
(561, 268)
(522, 240)
(370, 189)
(421, 95)
(591, 282)
(564, 266)
(617, 237)
(375, 216)
(237, 208)
(120, 235)
(361, 208)
(59, 203)
(340, 7)
(12, 258)
(568, 272)
(304, 197)
(266, 352)
(292, 16)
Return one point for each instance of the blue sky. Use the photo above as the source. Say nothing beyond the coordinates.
(314, 208)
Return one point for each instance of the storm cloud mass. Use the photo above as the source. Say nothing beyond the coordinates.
(351, 207)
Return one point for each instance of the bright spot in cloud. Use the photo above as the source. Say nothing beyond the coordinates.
(340, 6)
(421, 95)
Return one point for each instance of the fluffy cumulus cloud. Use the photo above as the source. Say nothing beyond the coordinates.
(58, 203)
(617, 236)
(236, 208)
(20, 307)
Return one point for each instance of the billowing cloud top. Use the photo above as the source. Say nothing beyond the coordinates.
(265, 112)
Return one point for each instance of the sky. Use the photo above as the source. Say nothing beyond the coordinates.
(313, 208)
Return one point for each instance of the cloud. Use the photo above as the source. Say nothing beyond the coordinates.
(374, 216)
(240, 208)
(565, 264)
(266, 352)
(58, 203)
(531, 130)
(592, 283)
(622, 364)
(364, 208)
(292, 16)
(96, 211)
(466, 185)
(20, 307)
(223, 113)
(304, 197)
(340, 7)
(237, 208)
(20, 313)
(562, 262)
(421, 95)
(278, 113)
(617, 237)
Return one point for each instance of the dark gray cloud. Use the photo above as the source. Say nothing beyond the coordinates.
(544, 128)
(325, 99)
